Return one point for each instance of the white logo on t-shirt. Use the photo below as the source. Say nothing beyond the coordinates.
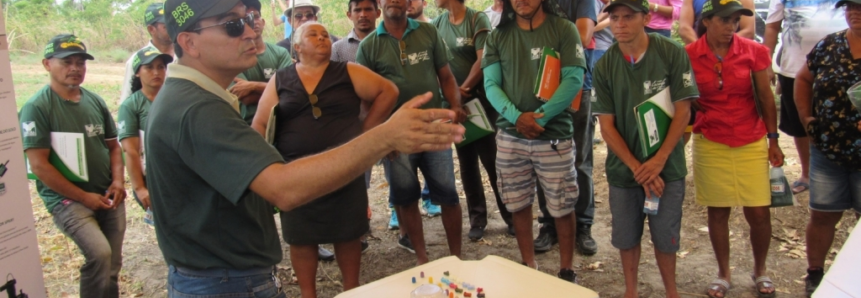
(121, 126)
(94, 130)
(536, 53)
(415, 58)
(464, 41)
(580, 52)
(268, 72)
(651, 87)
(687, 79)
(29, 128)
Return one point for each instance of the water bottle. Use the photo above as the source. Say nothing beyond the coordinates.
(776, 180)
(651, 204)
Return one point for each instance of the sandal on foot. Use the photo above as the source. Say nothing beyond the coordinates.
(764, 283)
(720, 286)
(800, 186)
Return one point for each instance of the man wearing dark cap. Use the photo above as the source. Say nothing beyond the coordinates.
(637, 68)
(86, 205)
(154, 19)
(249, 85)
(213, 179)
(535, 137)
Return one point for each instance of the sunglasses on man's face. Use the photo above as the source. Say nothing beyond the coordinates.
(307, 15)
(235, 27)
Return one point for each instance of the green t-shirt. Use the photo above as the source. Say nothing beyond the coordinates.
(518, 53)
(463, 40)
(47, 112)
(273, 59)
(201, 160)
(131, 118)
(416, 74)
(620, 87)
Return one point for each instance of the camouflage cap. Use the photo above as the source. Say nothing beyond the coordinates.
(148, 55)
(65, 45)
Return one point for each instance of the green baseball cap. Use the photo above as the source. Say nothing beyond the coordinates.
(183, 14)
(636, 5)
(154, 14)
(724, 8)
(844, 2)
(65, 45)
(148, 55)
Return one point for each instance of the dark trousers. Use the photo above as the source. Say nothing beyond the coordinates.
(483, 150)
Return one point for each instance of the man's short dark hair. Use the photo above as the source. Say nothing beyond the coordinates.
(350, 4)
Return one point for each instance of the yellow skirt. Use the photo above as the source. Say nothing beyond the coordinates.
(729, 177)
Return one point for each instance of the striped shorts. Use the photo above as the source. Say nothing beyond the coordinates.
(520, 161)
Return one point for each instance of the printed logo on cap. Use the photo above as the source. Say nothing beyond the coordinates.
(182, 13)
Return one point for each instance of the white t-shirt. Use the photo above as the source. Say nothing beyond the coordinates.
(805, 23)
(494, 16)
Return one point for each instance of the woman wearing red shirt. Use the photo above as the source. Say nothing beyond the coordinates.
(730, 150)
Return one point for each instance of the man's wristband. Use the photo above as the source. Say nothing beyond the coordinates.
(772, 135)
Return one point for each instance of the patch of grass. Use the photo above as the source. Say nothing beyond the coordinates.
(26, 84)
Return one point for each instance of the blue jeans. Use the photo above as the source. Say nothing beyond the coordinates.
(99, 235)
(438, 169)
(664, 32)
(215, 283)
(833, 188)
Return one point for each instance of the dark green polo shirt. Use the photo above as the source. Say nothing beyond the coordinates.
(424, 53)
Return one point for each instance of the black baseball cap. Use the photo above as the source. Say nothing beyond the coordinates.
(148, 55)
(183, 14)
(65, 45)
(724, 8)
(844, 2)
(154, 14)
(636, 5)
(253, 4)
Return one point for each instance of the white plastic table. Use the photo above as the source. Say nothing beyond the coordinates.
(498, 276)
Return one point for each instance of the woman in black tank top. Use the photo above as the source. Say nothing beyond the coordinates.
(317, 106)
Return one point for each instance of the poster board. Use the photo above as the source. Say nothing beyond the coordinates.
(20, 263)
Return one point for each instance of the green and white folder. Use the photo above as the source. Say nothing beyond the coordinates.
(68, 155)
(477, 125)
(653, 121)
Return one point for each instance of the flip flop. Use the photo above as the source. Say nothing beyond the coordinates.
(804, 187)
(762, 283)
(720, 286)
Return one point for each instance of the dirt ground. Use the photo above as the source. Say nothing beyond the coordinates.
(144, 271)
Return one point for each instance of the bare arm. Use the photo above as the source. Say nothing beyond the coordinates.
(409, 130)
(276, 15)
(769, 113)
(451, 92)
(771, 32)
(585, 26)
(475, 74)
(747, 25)
(51, 177)
(117, 190)
(268, 100)
(603, 22)
(686, 22)
(131, 146)
(615, 142)
(652, 168)
(378, 94)
(804, 95)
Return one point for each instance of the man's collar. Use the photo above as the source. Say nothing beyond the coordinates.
(352, 35)
(175, 70)
(411, 25)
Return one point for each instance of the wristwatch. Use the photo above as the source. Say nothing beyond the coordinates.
(772, 135)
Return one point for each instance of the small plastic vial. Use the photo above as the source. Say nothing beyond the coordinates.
(776, 181)
(651, 204)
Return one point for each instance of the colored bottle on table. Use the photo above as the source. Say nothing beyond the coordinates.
(651, 204)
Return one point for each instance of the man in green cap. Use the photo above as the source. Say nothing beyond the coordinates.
(87, 206)
(213, 180)
(535, 137)
(154, 19)
(637, 68)
(249, 85)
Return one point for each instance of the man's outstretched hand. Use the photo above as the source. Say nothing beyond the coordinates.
(412, 130)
